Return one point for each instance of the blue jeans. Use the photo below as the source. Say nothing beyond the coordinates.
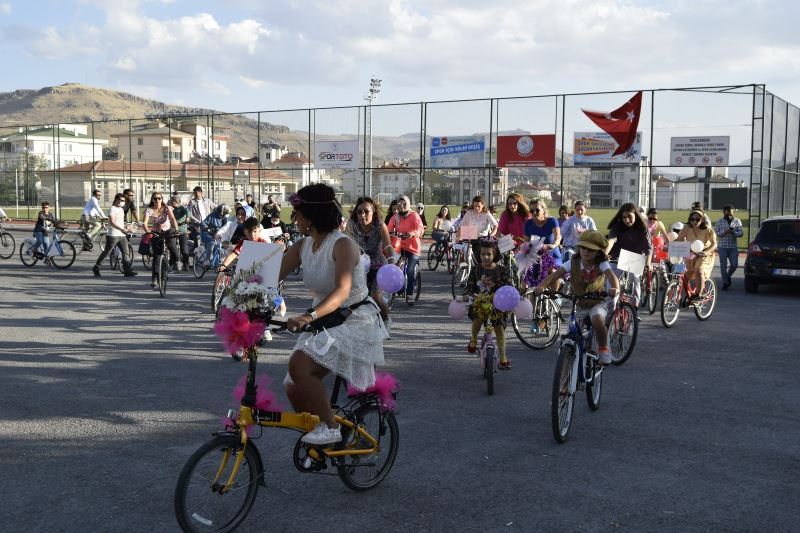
(41, 239)
(412, 261)
(727, 255)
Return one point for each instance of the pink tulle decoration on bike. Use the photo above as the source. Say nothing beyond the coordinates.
(266, 400)
(236, 331)
(384, 388)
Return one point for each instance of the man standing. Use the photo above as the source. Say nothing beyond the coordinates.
(116, 237)
(181, 217)
(199, 207)
(129, 207)
(89, 219)
(249, 200)
(728, 229)
(270, 207)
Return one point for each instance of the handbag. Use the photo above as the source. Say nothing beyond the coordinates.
(144, 244)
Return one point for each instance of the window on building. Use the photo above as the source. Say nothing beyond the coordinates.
(633, 183)
(216, 145)
(140, 141)
(204, 145)
(617, 189)
(140, 155)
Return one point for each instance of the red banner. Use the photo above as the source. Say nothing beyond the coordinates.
(526, 150)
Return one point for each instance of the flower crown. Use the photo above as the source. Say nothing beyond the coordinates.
(296, 200)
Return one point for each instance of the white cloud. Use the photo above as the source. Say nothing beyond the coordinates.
(252, 82)
(5, 8)
(125, 63)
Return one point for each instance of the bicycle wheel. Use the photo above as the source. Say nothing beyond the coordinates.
(66, 257)
(705, 305)
(363, 472)
(220, 284)
(540, 329)
(147, 261)
(113, 260)
(198, 267)
(7, 245)
(488, 369)
(102, 242)
(26, 253)
(623, 332)
(459, 282)
(162, 272)
(652, 296)
(433, 257)
(671, 304)
(644, 289)
(562, 399)
(451, 261)
(594, 385)
(200, 504)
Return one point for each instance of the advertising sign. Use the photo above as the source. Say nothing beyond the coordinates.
(457, 152)
(699, 151)
(526, 150)
(596, 149)
(336, 154)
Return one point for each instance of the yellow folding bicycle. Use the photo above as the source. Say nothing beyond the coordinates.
(218, 484)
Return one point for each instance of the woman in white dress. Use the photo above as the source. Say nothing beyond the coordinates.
(335, 276)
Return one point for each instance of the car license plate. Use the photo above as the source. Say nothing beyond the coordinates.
(786, 272)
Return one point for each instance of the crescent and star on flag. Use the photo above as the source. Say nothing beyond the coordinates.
(621, 123)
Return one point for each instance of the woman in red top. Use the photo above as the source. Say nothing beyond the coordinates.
(407, 222)
(512, 220)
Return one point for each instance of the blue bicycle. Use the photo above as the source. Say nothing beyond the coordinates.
(200, 265)
(59, 253)
(578, 367)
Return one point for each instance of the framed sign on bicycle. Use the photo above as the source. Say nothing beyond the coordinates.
(269, 253)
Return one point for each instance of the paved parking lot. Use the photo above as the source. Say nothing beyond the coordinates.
(106, 389)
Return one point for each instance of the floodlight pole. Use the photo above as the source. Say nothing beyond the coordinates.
(372, 94)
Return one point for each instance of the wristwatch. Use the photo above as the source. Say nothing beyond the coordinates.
(312, 313)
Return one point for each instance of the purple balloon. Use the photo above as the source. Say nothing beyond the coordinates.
(506, 298)
(457, 310)
(390, 278)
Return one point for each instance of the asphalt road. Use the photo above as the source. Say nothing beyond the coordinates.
(106, 389)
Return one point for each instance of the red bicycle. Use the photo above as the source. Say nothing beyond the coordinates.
(676, 297)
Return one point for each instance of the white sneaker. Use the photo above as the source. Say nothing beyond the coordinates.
(322, 434)
(604, 356)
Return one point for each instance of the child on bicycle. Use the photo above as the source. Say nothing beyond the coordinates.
(488, 276)
(591, 272)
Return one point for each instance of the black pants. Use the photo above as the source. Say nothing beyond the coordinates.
(183, 240)
(157, 246)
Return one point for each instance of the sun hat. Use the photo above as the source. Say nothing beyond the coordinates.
(592, 240)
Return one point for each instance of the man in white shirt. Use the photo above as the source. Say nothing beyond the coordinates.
(89, 219)
(116, 236)
(199, 207)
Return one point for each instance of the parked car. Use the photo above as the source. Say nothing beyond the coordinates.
(774, 255)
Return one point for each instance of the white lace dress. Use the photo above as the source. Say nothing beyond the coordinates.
(358, 344)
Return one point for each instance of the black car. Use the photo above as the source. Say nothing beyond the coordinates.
(774, 255)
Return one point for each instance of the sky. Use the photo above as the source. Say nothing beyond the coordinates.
(251, 55)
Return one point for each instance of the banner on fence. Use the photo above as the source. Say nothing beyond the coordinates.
(457, 152)
(699, 151)
(336, 154)
(597, 148)
(526, 150)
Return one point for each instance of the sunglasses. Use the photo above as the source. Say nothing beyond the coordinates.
(364, 211)
(694, 219)
(535, 210)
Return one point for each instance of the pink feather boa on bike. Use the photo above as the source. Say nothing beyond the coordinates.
(236, 331)
(266, 399)
(384, 388)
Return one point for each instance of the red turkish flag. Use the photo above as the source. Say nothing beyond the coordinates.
(621, 123)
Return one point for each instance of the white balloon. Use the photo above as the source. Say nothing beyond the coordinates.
(674, 260)
(671, 236)
(697, 246)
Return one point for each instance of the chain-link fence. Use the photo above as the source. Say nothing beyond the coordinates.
(438, 153)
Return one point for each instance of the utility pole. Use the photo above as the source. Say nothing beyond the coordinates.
(372, 94)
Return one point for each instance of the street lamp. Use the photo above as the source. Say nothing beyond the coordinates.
(372, 94)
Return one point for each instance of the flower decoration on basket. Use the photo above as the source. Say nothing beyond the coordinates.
(245, 307)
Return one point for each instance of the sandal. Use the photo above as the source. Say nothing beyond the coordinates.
(505, 365)
(472, 346)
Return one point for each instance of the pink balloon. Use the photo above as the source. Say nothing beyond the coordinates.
(506, 298)
(457, 310)
(523, 309)
(390, 278)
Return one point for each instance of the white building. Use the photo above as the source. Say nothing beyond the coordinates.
(65, 145)
(298, 166)
(691, 189)
(617, 185)
(179, 142)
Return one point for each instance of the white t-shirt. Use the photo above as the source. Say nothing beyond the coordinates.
(116, 216)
